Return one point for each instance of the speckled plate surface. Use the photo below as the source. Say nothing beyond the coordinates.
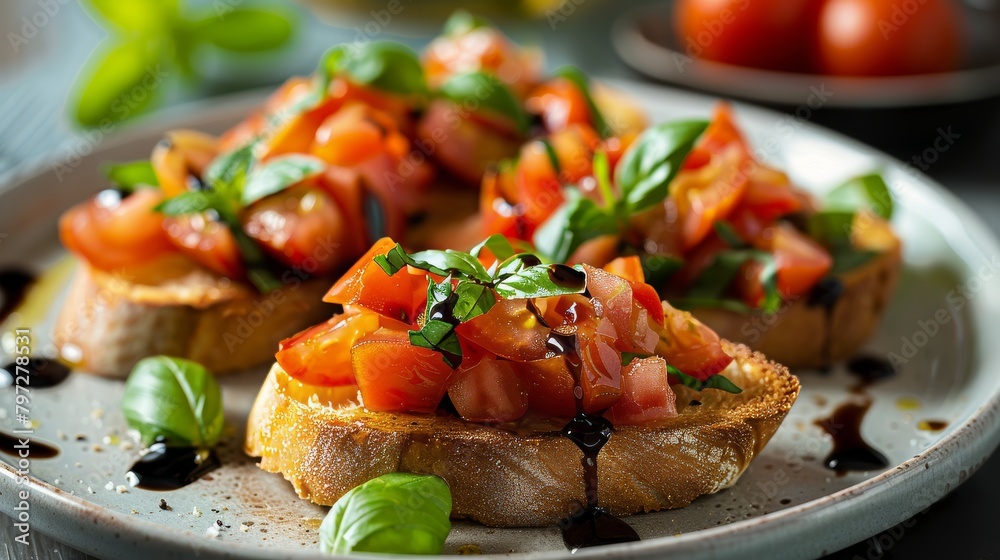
(787, 505)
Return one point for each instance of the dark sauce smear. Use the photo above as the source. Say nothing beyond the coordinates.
(42, 373)
(567, 277)
(11, 444)
(591, 526)
(850, 451)
(170, 468)
(14, 285)
(869, 369)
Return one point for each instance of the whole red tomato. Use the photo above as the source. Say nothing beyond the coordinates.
(771, 34)
(888, 37)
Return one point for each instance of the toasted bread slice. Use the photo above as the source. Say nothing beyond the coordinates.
(109, 322)
(804, 333)
(522, 474)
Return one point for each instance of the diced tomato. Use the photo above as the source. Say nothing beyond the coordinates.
(801, 262)
(646, 296)
(601, 367)
(498, 207)
(559, 103)
(538, 186)
(465, 146)
(769, 194)
(708, 194)
(112, 232)
(488, 390)
(629, 317)
(550, 387)
(395, 376)
(184, 153)
(482, 49)
(207, 241)
(510, 330)
(747, 223)
(629, 268)
(302, 227)
(321, 355)
(647, 398)
(367, 285)
(689, 345)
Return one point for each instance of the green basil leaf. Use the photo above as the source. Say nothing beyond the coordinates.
(498, 244)
(659, 268)
(228, 172)
(396, 513)
(832, 228)
(473, 301)
(437, 293)
(142, 16)
(715, 280)
(716, 381)
(439, 336)
(120, 81)
(869, 192)
(515, 264)
(728, 234)
(540, 281)
(256, 263)
(278, 174)
(462, 22)
(384, 65)
(582, 83)
(550, 151)
(246, 29)
(130, 175)
(603, 177)
(479, 91)
(442, 263)
(376, 216)
(193, 202)
(649, 165)
(578, 220)
(175, 399)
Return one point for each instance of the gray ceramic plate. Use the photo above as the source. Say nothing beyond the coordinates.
(787, 505)
(645, 40)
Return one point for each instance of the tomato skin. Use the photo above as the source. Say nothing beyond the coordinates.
(207, 241)
(463, 145)
(367, 285)
(321, 355)
(302, 227)
(771, 34)
(647, 398)
(769, 194)
(113, 233)
(184, 153)
(395, 376)
(486, 389)
(600, 368)
(688, 345)
(878, 38)
(801, 262)
(508, 330)
(559, 103)
(482, 49)
(630, 319)
(629, 268)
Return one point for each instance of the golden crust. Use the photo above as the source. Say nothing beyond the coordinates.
(108, 323)
(522, 474)
(804, 335)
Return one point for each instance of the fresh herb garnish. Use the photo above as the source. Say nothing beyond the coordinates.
(488, 94)
(384, 65)
(131, 175)
(278, 174)
(714, 281)
(174, 399)
(469, 289)
(397, 513)
(866, 192)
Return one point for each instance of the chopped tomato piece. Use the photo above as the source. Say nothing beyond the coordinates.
(631, 319)
(367, 285)
(647, 398)
(302, 227)
(801, 262)
(482, 49)
(183, 154)
(769, 194)
(559, 103)
(510, 330)
(395, 376)
(629, 268)
(321, 355)
(689, 345)
(208, 241)
(113, 232)
(550, 387)
(465, 146)
(601, 368)
(708, 194)
(488, 390)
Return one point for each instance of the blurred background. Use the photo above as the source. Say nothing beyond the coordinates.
(918, 79)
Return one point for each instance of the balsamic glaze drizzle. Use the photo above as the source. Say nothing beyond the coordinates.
(850, 450)
(10, 444)
(14, 285)
(42, 372)
(170, 468)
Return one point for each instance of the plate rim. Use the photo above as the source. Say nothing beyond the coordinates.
(963, 450)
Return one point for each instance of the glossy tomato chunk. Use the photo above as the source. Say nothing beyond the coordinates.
(395, 376)
(618, 304)
(367, 285)
(601, 369)
(208, 241)
(689, 345)
(488, 390)
(321, 355)
(550, 384)
(647, 398)
(509, 329)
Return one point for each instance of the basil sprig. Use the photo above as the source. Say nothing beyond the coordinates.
(175, 399)
(642, 179)
(715, 281)
(278, 174)
(488, 94)
(461, 22)
(384, 65)
(396, 513)
(226, 180)
(130, 175)
(866, 192)
(469, 289)
(576, 76)
(834, 225)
